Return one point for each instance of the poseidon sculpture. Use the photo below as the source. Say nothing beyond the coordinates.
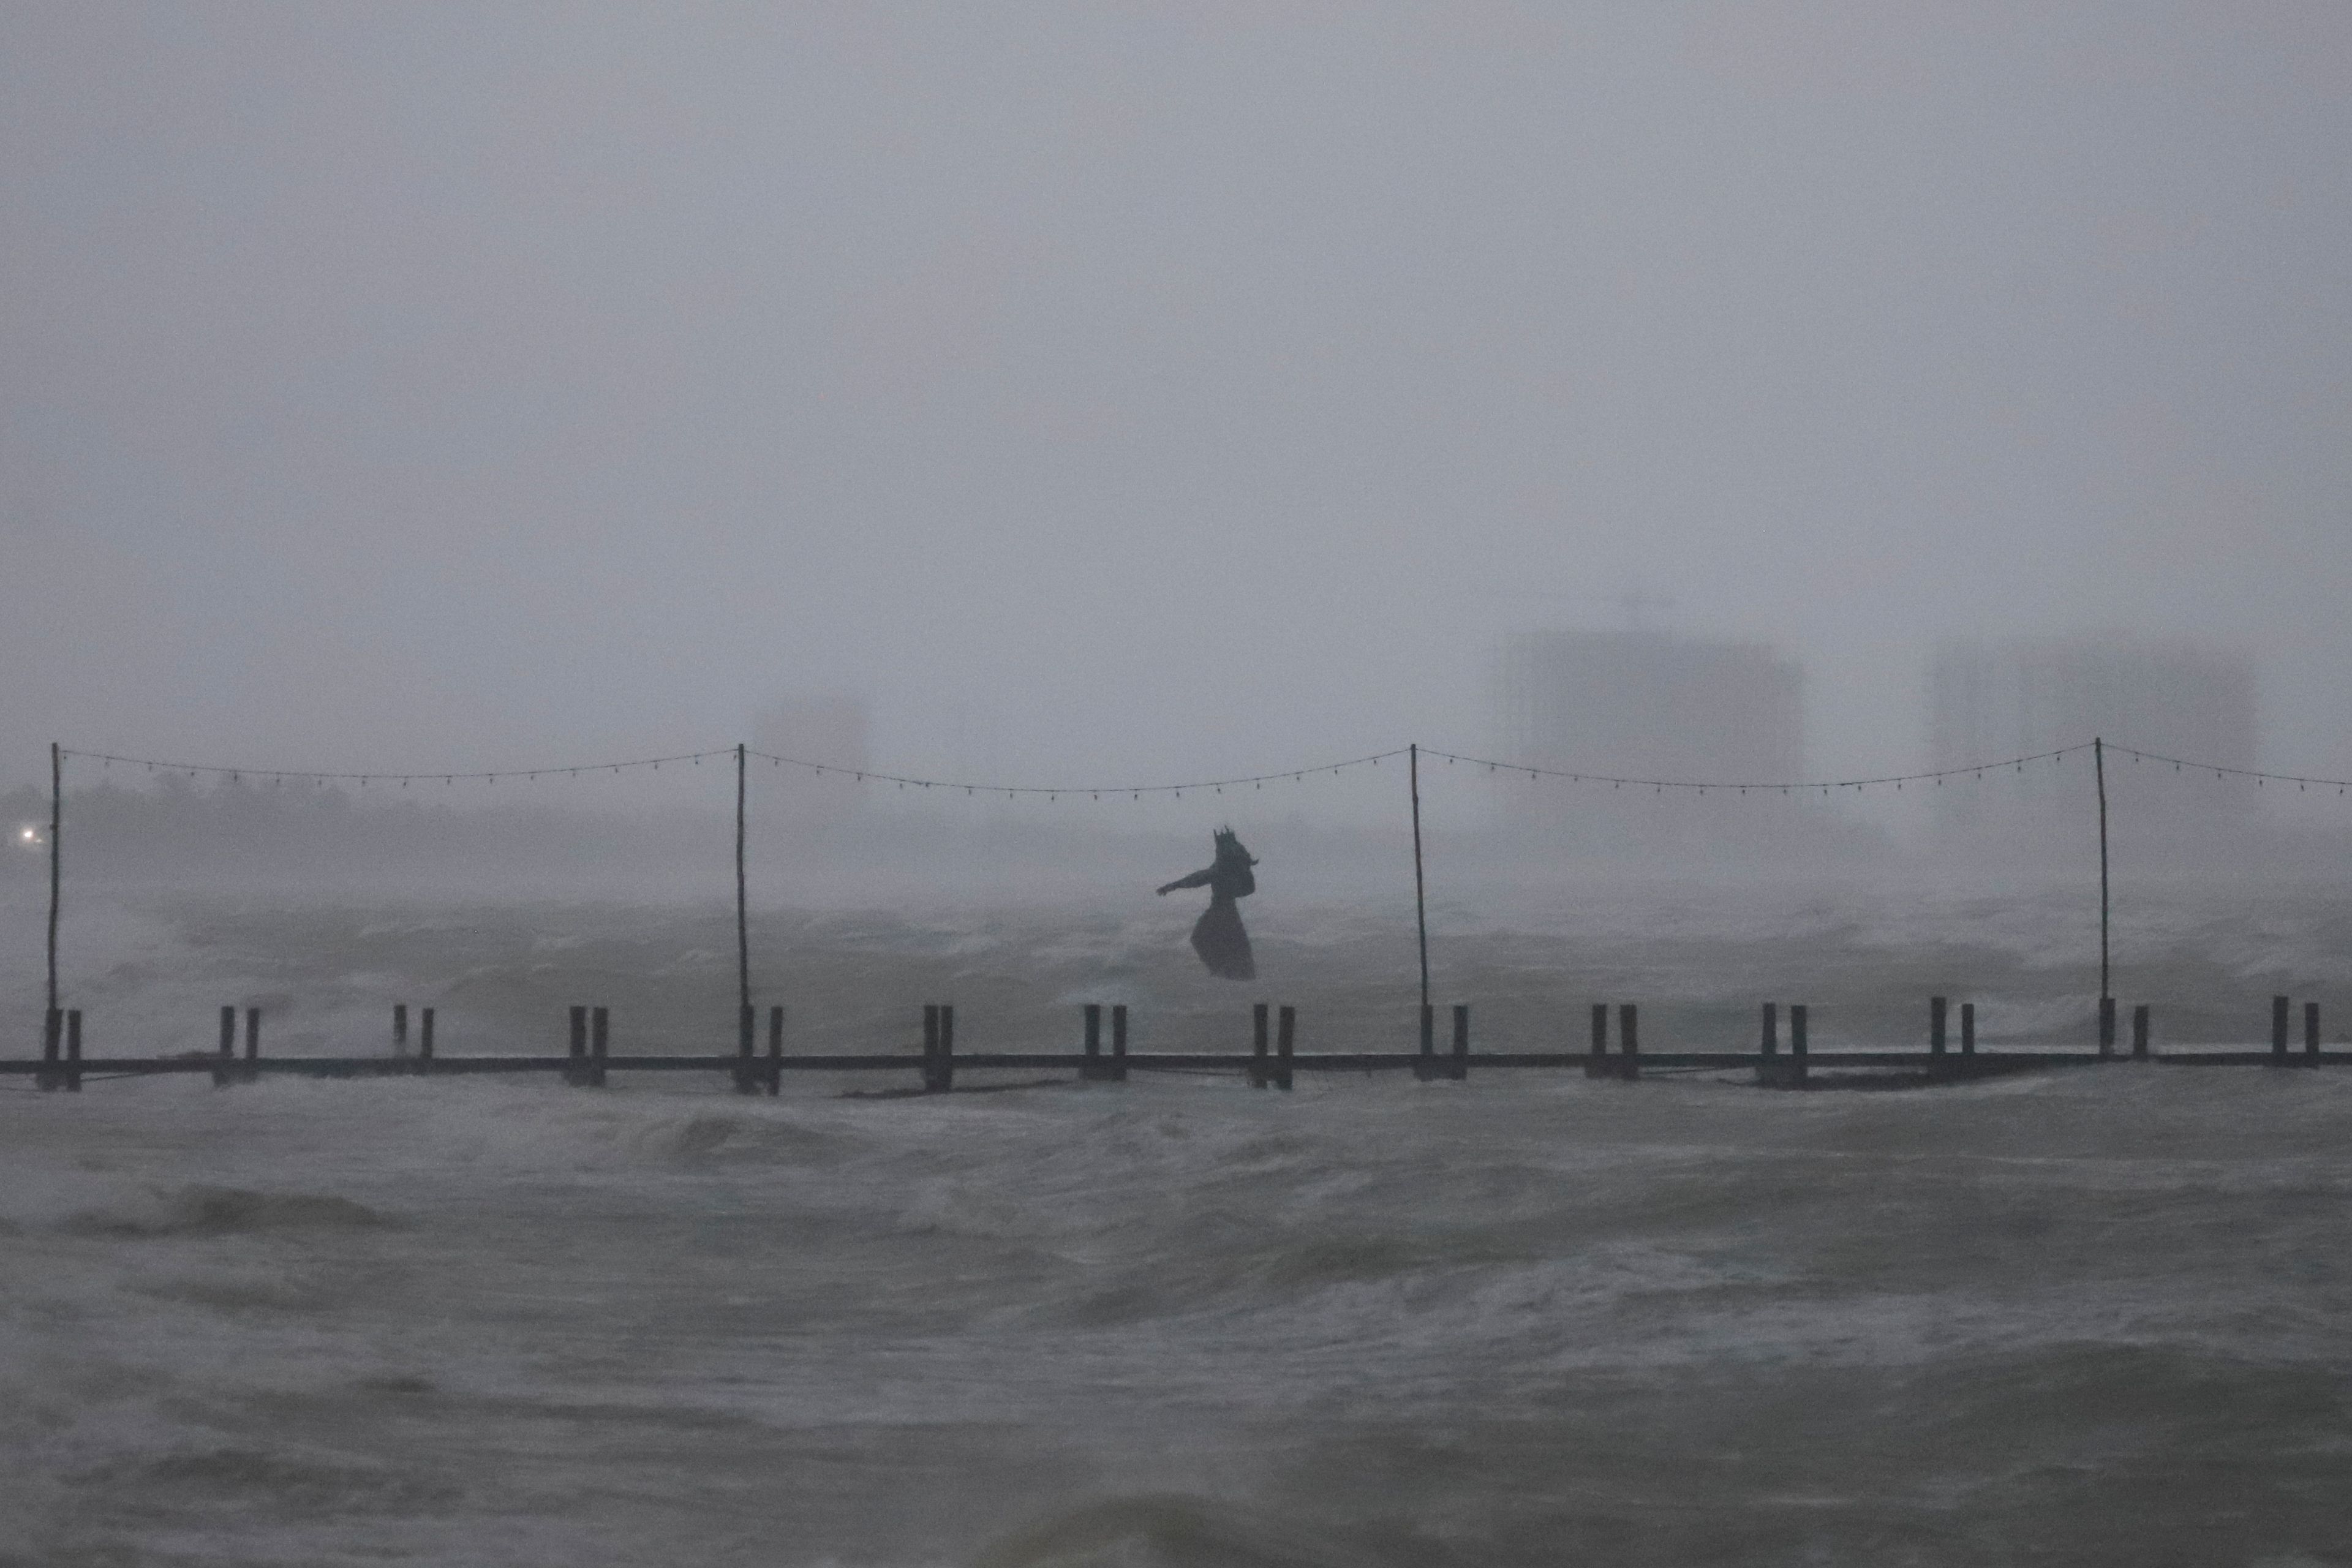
(1217, 935)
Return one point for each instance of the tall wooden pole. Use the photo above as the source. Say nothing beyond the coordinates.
(57, 824)
(1420, 907)
(743, 917)
(2099, 768)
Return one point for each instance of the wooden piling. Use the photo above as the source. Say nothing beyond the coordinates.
(1424, 1066)
(400, 1028)
(1798, 1019)
(1461, 1065)
(1968, 1028)
(2278, 1031)
(775, 1050)
(939, 1047)
(2310, 1033)
(73, 1050)
(1286, 1032)
(1936, 1008)
(53, 1026)
(228, 1046)
(600, 1041)
(253, 1041)
(1258, 1074)
(1770, 1071)
(1596, 1061)
(2106, 1027)
(1629, 1041)
(1119, 1042)
(747, 1038)
(575, 1071)
(2139, 1033)
(1092, 1068)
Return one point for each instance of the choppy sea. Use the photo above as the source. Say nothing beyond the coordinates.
(2090, 1317)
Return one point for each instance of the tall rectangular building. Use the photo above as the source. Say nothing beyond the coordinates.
(1650, 705)
(1647, 705)
(1988, 701)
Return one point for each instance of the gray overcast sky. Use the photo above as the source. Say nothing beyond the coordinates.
(1143, 390)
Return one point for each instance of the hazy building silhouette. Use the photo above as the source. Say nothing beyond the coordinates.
(1988, 700)
(1646, 705)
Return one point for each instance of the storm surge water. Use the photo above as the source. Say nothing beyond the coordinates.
(2087, 1317)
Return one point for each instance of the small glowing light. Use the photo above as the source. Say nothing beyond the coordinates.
(29, 836)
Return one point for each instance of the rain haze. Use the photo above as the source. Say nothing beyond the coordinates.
(1084, 396)
(1148, 390)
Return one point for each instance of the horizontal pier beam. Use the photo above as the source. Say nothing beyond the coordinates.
(1980, 1063)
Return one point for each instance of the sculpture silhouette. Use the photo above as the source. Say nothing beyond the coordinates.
(1217, 935)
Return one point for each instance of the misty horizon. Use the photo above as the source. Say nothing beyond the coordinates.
(1156, 396)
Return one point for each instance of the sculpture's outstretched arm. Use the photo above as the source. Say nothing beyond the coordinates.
(1197, 879)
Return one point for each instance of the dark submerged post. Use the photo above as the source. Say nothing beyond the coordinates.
(57, 847)
(939, 1046)
(2139, 1033)
(1797, 1021)
(53, 1025)
(73, 1050)
(742, 917)
(1092, 1066)
(1257, 1079)
(600, 1041)
(1936, 1008)
(1968, 1028)
(575, 1071)
(1119, 1042)
(1461, 1065)
(1287, 1030)
(747, 1033)
(1596, 1064)
(2310, 1032)
(775, 1050)
(2278, 1031)
(400, 1028)
(1629, 1039)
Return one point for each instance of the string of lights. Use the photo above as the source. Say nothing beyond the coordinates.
(2303, 784)
(1214, 786)
(1094, 791)
(313, 775)
(1787, 787)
